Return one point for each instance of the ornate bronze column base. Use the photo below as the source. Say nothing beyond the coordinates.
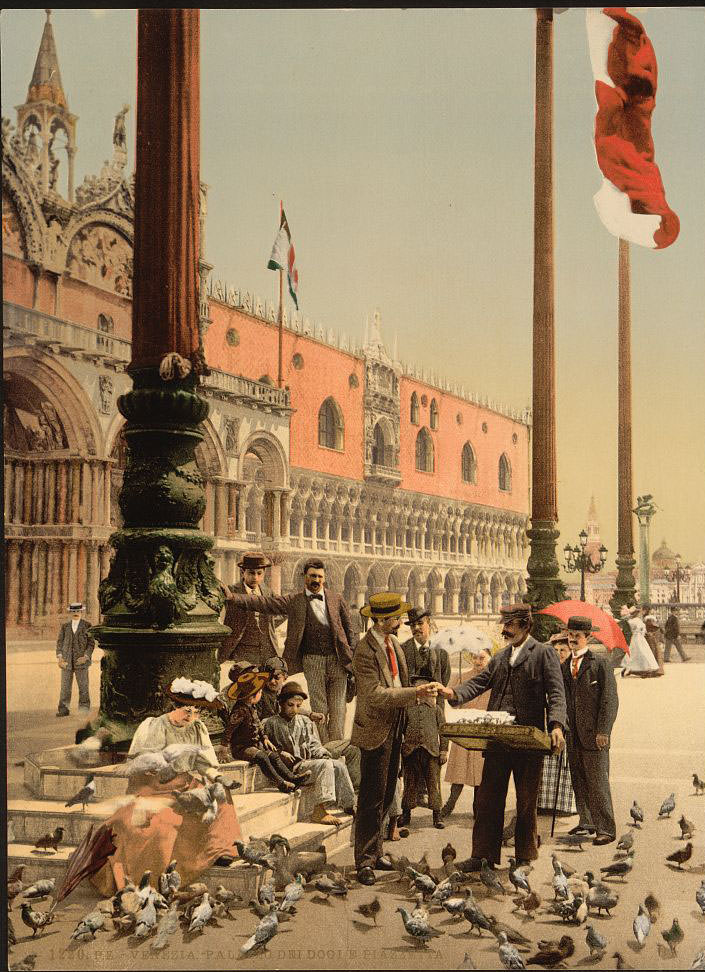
(625, 587)
(544, 585)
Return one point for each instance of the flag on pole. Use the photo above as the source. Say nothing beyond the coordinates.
(284, 258)
(631, 201)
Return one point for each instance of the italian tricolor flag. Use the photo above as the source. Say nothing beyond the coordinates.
(284, 258)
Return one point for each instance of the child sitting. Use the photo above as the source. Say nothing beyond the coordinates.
(249, 741)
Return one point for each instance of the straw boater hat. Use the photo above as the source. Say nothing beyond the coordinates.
(183, 697)
(385, 605)
(247, 684)
(76, 606)
(416, 614)
(253, 561)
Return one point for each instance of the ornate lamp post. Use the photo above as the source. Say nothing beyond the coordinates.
(644, 509)
(577, 559)
(677, 575)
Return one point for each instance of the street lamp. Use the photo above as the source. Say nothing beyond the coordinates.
(577, 559)
(678, 575)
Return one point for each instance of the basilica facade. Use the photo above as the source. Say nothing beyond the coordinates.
(395, 478)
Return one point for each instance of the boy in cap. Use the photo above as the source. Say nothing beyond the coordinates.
(423, 752)
(74, 648)
(294, 733)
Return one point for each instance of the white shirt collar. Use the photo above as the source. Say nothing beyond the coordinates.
(311, 593)
(579, 654)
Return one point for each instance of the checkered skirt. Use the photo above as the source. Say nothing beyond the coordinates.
(547, 791)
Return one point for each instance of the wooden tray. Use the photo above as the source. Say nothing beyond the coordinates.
(479, 736)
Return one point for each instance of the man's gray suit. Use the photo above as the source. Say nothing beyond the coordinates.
(592, 702)
(75, 650)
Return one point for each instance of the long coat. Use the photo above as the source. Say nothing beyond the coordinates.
(294, 607)
(378, 700)
(86, 644)
(236, 620)
(592, 699)
(536, 680)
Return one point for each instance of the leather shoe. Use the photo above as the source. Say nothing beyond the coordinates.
(603, 839)
(366, 876)
(383, 864)
(580, 829)
(403, 831)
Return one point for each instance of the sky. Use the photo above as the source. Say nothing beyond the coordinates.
(401, 143)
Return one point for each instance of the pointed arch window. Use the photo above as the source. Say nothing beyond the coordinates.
(468, 464)
(434, 414)
(330, 425)
(381, 453)
(505, 474)
(425, 459)
(414, 409)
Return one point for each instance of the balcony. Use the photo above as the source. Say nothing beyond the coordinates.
(375, 472)
(22, 325)
(248, 390)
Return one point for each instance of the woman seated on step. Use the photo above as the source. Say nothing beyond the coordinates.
(178, 807)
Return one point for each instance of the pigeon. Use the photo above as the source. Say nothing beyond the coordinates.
(85, 795)
(201, 801)
(327, 886)
(418, 928)
(699, 960)
(698, 785)
(476, 916)
(513, 934)
(620, 868)
(168, 924)
(595, 942)
(201, 914)
(673, 936)
(293, 892)
(400, 864)
(86, 752)
(580, 909)
(252, 855)
(454, 906)
(370, 909)
(146, 919)
(265, 931)
(626, 841)
(145, 889)
(508, 954)
(597, 885)
(266, 894)
(226, 899)
(550, 954)
(169, 881)
(687, 827)
(490, 878)
(29, 961)
(422, 865)
(637, 815)
(572, 840)
(668, 806)
(448, 852)
(467, 963)
(527, 903)
(560, 883)
(620, 963)
(566, 868)
(87, 927)
(422, 882)
(565, 909)
(35, 919)
(191, 891)
(682, 855)
(508, 832)
(517, 877)
(40, 889)
(445, 889)
(14, 882)
(651, 903)
(700, 896)
(641, 925)
(50, 841)
(604, 899)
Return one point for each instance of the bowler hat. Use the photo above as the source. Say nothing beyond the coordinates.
(246, 685)
(386, 604)
(579, 623)
(254, 560)
(289, 689)
(415, 614)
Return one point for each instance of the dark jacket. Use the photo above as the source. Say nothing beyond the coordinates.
(439, 668)
(672, 628)
(294, 607)
(85, 643)
(422, 730)
(537, 685)
(236, 620)
(591, 698)
(245, 730)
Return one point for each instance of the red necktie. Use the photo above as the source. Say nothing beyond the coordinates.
(391, 655)
(575, 665)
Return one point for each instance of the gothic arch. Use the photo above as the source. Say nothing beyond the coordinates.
(210, 453)
(270, 452)
(29, 212)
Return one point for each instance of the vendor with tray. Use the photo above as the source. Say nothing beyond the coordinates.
(524, 680)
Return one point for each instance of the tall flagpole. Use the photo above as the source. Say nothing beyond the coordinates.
(625, 588)
(281, 311)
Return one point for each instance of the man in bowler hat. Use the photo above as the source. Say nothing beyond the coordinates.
(525, 680)
(591, 695)
(74, 648)
(253, 638)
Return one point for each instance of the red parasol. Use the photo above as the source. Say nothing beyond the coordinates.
(610, 633)
(88, 857)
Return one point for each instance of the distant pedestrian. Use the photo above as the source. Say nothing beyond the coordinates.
(672, 632)
(654, 635)
(640, 660)
(74, 648)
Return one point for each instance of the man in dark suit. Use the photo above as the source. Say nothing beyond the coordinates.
(591, 695)
(383, 693)
(253, 638)
(74, 648)
(319, 640)
(525, 680)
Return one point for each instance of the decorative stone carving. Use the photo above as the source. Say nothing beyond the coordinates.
(101, 256)
(119, 135)
(232, 436)
(105, 390)
(259, 308)
(12, 235)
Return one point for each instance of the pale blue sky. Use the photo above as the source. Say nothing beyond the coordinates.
(402, 145)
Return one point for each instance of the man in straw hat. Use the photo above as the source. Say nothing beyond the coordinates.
(383, 693)
(74, 648)
(591, 694)
(253, 637)
(525, 680)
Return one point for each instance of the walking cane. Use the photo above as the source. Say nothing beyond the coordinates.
(558, 786)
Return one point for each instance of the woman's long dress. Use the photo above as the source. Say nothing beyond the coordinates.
(640, 660)
(150, 829)
(465, 765)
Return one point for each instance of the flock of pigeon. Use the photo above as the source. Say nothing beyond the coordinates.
(155, 912)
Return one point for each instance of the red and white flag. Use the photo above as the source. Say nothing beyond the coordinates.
(283, 257)
(631, 201)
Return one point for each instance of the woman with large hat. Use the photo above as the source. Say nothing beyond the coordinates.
(170, 755)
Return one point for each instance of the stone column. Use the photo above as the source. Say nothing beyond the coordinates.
(232, 509)
(51, 494)
(485, 600)
(455, 602)
(75, 507)
(284, 505)
(92, 568)
(544, 583)
(73, 571)
(107, 492)
(52, 599)
(62, 491)
(104, 561)
(276, 515)
(84, 499)
(25, 582)
(38, 492)
(64, 559)
(9, 486)
(95, 492)
(28, 488)
(220, 505)
(12, 582)
(71, 153)
(208, 513)
(437, 601)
